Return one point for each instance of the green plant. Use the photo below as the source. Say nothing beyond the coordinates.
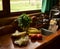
(24, 21)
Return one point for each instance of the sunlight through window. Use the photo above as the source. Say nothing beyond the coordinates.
(24, 5)
(1, 5)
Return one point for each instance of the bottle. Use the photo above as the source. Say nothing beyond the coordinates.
(53, 25)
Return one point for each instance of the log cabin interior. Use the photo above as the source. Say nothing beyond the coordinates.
(29, 24)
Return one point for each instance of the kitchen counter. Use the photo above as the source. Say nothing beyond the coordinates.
(7, 43)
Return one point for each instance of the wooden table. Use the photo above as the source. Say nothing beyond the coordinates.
(6, 42)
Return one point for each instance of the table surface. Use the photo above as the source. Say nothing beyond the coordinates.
(7, 43)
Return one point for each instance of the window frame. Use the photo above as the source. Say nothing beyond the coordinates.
(6, 10)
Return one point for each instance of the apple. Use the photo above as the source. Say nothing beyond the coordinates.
(32, 36)
(39, 36)
(36, 36)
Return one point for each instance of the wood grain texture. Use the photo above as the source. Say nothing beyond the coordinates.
(51, 42)
(6, 42)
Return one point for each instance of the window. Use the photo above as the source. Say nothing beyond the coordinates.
(1, 5)
(24, 5)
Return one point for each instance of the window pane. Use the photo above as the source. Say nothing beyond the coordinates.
(1, 5)
(24, 5)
